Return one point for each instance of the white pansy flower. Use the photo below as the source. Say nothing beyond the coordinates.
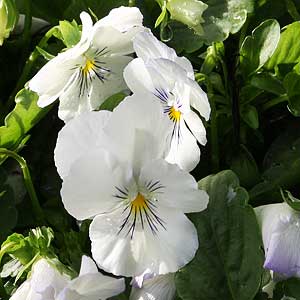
(47, 283)
(159, 71)
(136, 199)
(161, 287)
(280, 226)
(85, 75)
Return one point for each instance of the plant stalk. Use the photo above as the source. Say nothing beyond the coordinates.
(37, 210)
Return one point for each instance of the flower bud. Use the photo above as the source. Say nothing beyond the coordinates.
(8, 18)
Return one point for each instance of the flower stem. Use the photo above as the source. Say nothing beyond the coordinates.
(215, 162)
(38, 212)
(27, 68)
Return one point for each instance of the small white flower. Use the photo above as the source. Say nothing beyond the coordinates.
(47, 283)
(161, 287)
(281, 237)
(84, 76)
(161, 72)
(136, 199)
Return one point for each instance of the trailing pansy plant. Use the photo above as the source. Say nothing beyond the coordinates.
(116, 202)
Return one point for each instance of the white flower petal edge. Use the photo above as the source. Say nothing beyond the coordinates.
(147, 46)
(91, 284)
(77, 137)
(47, 283)
(122, 18)
(281, 236)
(84, 76)
(161, 287)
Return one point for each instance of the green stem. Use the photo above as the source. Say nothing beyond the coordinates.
(3, 294)
(274, 102)
(215, 161)
(243, 32)
(38, 212)
(27, 68)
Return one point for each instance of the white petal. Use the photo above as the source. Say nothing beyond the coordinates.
(89, 187)
(24, 292)
(268, 216)
(46, 279)
(281, 236)
(180, 189)
(186, 64)
(95, 286)
(137, 77)
(122, 18)
(113, 41)
(50, 82)
(184, 152)
(157, 288)
(166, 72)
(139, 129)
(74, 99)
(87, 266)
(147, 46)
(196, 126)
(113, 83)
(166, 251)
(199, 100)
(87, 28)
(77, 137)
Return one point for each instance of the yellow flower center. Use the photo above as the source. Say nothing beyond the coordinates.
(139, 203)
(89, 65)
(174, 114)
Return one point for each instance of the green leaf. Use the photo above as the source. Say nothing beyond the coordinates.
(268, 83)
(188, 12)
(291, 83)
(250, 116)
(245, 167)
(112, 102)
(70, 33)
(292, 201)
(288, 49)
(8, 18)
(257, 48)
(223, 17)
(184, 38)
(228, 263)
(24, 116)
(288, 288)
(249, 93)
(281, 163)
(44, 53)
